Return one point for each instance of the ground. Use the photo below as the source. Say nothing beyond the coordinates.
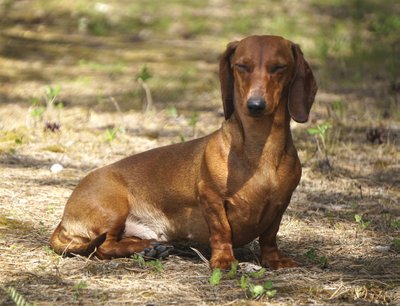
(74, 98)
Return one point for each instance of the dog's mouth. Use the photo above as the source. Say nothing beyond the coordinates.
(256, 113)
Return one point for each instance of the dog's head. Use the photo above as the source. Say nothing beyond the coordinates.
(258, 71)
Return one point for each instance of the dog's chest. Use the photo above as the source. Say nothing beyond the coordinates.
(259, 202)
(257, 192)
(266, 182)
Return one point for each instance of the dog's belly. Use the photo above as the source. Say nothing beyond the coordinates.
(134, 228)
(147, 221)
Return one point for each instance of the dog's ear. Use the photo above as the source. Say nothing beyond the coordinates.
(302, 88)
(226, 78)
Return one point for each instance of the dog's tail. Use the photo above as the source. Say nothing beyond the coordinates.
(66, 246)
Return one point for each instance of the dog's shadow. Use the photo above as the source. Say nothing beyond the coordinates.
(189, 250)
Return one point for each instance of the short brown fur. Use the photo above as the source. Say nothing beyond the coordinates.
(225, 189)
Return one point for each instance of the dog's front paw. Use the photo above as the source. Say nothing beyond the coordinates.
(157, 250)
(222, 261)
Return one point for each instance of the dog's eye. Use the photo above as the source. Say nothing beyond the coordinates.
(278, 68)
(242, 67)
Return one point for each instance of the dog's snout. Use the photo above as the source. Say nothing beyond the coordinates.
(256, 104)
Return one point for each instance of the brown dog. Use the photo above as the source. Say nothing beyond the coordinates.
(225, 189)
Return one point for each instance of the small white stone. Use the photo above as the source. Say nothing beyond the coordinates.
(56, 168)
(102, 7)
(382, 248)
(248, 267)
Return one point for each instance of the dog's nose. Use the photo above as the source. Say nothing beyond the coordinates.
(256, 104)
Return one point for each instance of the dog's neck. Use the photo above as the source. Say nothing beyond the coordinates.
(264, 139)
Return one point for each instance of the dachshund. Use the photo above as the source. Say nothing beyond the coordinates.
(225, 189)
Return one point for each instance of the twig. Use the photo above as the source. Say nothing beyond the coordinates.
(149, 99)
(336, 291)
(201, 256)
(116, 105)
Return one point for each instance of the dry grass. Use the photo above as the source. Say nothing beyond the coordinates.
(363, 265)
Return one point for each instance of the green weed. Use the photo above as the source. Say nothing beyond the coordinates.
(338, 109)
(97, 24)
(253, 289)
(215, 277)
(10, 139)
(142, 77)
(396, 244)
(48, 250)
(192, 121)
(80, 285)
(321, 132)
(233, 271)
(322, 261)
(18, 140)
(154, 265)
(258, 274)
(52, 92)
(78, 288)
(141, 262)
(244, 281)
(257, 291)
(395, 224)
(144, 74)
(111, 134)
(361, 222)
(182, 138)
(45, 106)
(172, 111)
(37, 109)
(322, 137)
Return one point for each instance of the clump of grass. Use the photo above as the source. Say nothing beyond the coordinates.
(323, 138)
(396, 244)
(47, 109)
(142, 77)
(256, 291)
(337, 110)
(37, 110)
(248, 282)
(154, 265)
(172, 111)
(111, 134)
(79, 287)
(322, 261)
(395, 224)
(215, 277)
(363, 224)
(193, 120)
(11, 140)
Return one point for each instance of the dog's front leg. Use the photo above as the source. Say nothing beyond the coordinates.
(220, 231)
(271, 256)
